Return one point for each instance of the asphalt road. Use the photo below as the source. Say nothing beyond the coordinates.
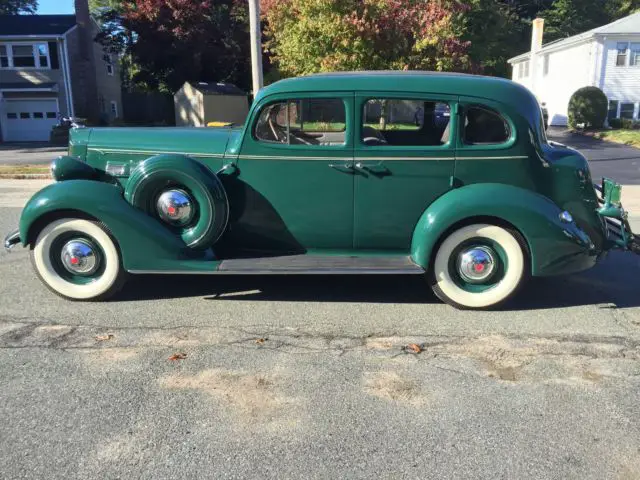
(305, 377)
(29, 153)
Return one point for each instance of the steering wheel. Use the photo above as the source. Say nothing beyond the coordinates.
(278, 135)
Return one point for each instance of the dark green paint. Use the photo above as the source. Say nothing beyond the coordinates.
(312, 199)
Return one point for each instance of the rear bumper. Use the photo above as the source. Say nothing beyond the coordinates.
(614, 218)
(12, 239)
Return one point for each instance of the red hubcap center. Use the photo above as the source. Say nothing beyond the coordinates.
(74, 260)
(171, 210)
(479, 267)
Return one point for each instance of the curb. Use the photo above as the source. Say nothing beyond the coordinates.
(25, 176)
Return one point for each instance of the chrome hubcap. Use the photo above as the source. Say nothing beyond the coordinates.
(175, 207)
(477, 264)
(80, 257)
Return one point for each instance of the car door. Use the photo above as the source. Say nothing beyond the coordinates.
(294, 190)
(404, 159)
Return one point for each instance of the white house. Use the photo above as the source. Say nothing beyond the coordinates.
(607, 57)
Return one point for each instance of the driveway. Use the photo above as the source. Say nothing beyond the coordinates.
(606, 159)
(29, 153)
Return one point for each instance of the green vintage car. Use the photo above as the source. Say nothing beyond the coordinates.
(444, 175)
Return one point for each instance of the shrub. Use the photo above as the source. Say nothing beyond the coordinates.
(588, 108)
(615, 123)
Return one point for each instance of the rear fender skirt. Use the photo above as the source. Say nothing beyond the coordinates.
(555, 247)
(144, 242)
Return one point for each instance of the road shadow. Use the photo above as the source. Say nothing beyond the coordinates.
(615, 283)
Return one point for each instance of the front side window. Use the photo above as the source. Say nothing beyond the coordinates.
(308, 121)
(405, 122)
(621, 58)
(626, 110)
(484, 126)
(634, 61)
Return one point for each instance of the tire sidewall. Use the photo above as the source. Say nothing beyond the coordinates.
(516, 270)
(41, 259)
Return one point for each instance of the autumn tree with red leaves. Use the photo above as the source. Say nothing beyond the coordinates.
(173, 41)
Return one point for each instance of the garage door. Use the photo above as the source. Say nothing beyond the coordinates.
(29, 120)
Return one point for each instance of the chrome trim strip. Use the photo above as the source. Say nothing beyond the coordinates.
(155, 152)
(348, 271)
(508, 157)
(12, 239)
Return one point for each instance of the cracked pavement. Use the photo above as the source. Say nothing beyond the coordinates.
(306, 377)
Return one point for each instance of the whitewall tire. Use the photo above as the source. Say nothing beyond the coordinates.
(78, 260)
(479, 266)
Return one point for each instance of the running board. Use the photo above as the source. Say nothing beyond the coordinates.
(320, 265)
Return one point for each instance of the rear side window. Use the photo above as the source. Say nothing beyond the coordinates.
(484, 126)
(405, 122)
(311, 121)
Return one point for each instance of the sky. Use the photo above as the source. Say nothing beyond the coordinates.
(55, 6)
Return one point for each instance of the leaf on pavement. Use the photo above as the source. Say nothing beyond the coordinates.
(178, 356)
(260, 341)
(104, 338)
(412, 348)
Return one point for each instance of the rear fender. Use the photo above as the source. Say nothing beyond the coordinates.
(550, 241)
(145, 244)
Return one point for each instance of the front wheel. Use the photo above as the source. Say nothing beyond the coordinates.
(479, 266)
(77, 259)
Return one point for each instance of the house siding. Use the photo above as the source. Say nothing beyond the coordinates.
(109, 86)
(619, 83)
(569, 69)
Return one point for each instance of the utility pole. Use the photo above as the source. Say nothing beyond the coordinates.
(256, 44)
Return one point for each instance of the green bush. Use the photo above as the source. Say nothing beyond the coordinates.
(588, 108)
(615, 123)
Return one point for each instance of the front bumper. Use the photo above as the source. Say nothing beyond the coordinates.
(615, 218)
(12, 239)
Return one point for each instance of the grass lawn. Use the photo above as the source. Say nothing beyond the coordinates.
(626, 136)
(24, 169)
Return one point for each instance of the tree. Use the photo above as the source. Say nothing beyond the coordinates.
(168, 42)
(326, 35)
(566, 18)
(15, 7)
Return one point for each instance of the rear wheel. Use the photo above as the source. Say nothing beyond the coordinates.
(479, 266)
(78, 260)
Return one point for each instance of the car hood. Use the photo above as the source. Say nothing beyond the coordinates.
(189, 141)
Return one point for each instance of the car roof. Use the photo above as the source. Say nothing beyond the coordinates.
(499, 89)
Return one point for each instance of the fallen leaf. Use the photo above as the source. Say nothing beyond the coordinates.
(260, 341)
(103, 338)
(178, 356)
(412, 348)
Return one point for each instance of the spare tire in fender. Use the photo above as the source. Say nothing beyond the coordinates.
(160, 173)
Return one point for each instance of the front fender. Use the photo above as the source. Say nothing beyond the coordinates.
(555, 247)
(145, 244)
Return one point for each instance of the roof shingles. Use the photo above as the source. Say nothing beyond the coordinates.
(30, 25)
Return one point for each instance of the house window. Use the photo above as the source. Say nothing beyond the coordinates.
(621, 59)
(114, 109)
(545, 65)
(526, 69)
(24, 55)
(626, 110)
(109, 62)
(4, 56)
(613, 109)
(634, 61)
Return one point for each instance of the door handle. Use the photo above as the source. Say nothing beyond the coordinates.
(341, 167)
(377, 169)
